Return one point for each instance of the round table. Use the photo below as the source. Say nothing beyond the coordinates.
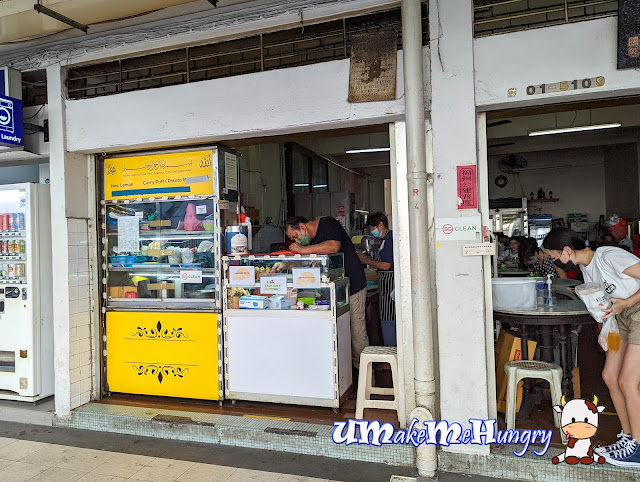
(563, 315)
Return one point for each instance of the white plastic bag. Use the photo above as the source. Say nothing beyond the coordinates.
(594, 298)
(609, 338)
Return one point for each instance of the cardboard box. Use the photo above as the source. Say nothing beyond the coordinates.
(121, 291)
(253, 302)
(509, 348)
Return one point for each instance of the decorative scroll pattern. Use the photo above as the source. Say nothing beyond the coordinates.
(161, 371)
(159, 332)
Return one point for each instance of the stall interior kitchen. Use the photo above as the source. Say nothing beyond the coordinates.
(572, 165)
(205, 308)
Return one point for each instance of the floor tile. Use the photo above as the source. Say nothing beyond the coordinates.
(6, 441)
(123, 465)
(73, 458)
(19, 472)
(207, 473)
(299, 478)
(91, 477)
(21, 449)
(163, 470)
(242, 475)
(57, 474)
(5, 463)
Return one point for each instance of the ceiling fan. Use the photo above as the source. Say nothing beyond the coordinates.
(508, 163)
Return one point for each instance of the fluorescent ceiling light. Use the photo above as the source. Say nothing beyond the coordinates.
(301, 185)
(369, 149)
(319, 186)
(564, 130)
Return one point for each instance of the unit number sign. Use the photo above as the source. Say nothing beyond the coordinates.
(565, 85)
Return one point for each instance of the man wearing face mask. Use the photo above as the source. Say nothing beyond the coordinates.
(379, 227)
(327, 236)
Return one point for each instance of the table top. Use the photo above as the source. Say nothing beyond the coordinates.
(561, 308)
(512, 272)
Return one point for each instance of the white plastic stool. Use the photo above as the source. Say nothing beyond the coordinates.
(517, 370)
(369, 356)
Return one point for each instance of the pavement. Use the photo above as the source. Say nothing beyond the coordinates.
(51, 454)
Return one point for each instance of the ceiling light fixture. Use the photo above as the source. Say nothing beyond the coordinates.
(564, 130)
(369, 149)
(58, 16)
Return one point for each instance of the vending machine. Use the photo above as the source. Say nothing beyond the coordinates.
(26, 305)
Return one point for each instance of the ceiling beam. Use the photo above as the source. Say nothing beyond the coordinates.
(58, 16)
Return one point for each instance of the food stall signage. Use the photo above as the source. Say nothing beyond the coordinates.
(467, 187)
(565, 85)
(306, 278)
(242, 275)
(455, 229)
(162, 174)
(274, 285)
(191, 276)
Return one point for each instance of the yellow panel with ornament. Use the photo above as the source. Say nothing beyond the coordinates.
(165, 354)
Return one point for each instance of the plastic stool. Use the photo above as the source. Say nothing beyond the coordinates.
(369, 356)
(517, 370)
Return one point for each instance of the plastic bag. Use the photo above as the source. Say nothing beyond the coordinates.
(594, 298)
(609, 338)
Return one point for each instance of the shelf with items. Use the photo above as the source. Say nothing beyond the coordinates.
(13, 257)
(13, 281)
(13, 234)
(159, 267)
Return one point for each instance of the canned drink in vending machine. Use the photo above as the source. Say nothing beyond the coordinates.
(16, 247)
(10, 247)
(11, 270)
(4, 273)
(11, 226)
(2, 225)
(23, 246)
(16, 222)
(20, 270)
(4, 222)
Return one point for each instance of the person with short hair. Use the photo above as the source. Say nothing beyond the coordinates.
(540, 260)
(618, 272)
(327, 236)
(511, 255)
(379, 227)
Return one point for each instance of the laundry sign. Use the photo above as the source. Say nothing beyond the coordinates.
(456, 229)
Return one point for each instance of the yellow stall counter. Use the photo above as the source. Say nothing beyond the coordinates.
(165, 354)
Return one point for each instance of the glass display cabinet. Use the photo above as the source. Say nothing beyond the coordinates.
(286, 329)
(163, 215)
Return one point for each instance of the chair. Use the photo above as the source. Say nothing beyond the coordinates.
(369, 356)
(517, 370)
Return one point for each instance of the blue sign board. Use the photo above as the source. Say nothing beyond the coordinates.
(3, 82)
(11, 127)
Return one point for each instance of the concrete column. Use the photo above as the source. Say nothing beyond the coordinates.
(461, 305)
(59, 239)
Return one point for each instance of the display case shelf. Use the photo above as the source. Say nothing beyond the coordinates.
(13, 234)
(17, 257)
(170, 234)
(163, 267)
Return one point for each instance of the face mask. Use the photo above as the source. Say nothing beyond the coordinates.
(568, 266)
(375, 233)
(303, 240)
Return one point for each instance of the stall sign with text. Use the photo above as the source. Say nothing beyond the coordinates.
(273, 285)
(191, 276)
(11, 126)
(157, 175)
(306, 278)
(242, 275)
(455, 229)
(467, 187)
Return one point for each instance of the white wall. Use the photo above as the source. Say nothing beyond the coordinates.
(312, 97)
(551, 54)
(580, 189)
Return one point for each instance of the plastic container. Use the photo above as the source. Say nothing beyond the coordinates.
(541, 286)
(208, 224)
(122, 259)
(517, 294)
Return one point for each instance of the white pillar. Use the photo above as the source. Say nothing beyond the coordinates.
(59, 239)
(461, 307)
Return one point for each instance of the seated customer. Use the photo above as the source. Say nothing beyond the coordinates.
(542, 263)
(379, 227)
(511, 255)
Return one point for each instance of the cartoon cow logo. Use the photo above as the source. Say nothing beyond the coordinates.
(579, 422)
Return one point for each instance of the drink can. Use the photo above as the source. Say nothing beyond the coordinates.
(3, 245)
(22, 224)
(16, 222)
(10, 247)
(11, 270)
(4, 273)
(11, 224)
(23, 246)
(16, 247)
(20, 270)
(4, 220)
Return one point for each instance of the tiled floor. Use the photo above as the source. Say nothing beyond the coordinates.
(25, 460)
